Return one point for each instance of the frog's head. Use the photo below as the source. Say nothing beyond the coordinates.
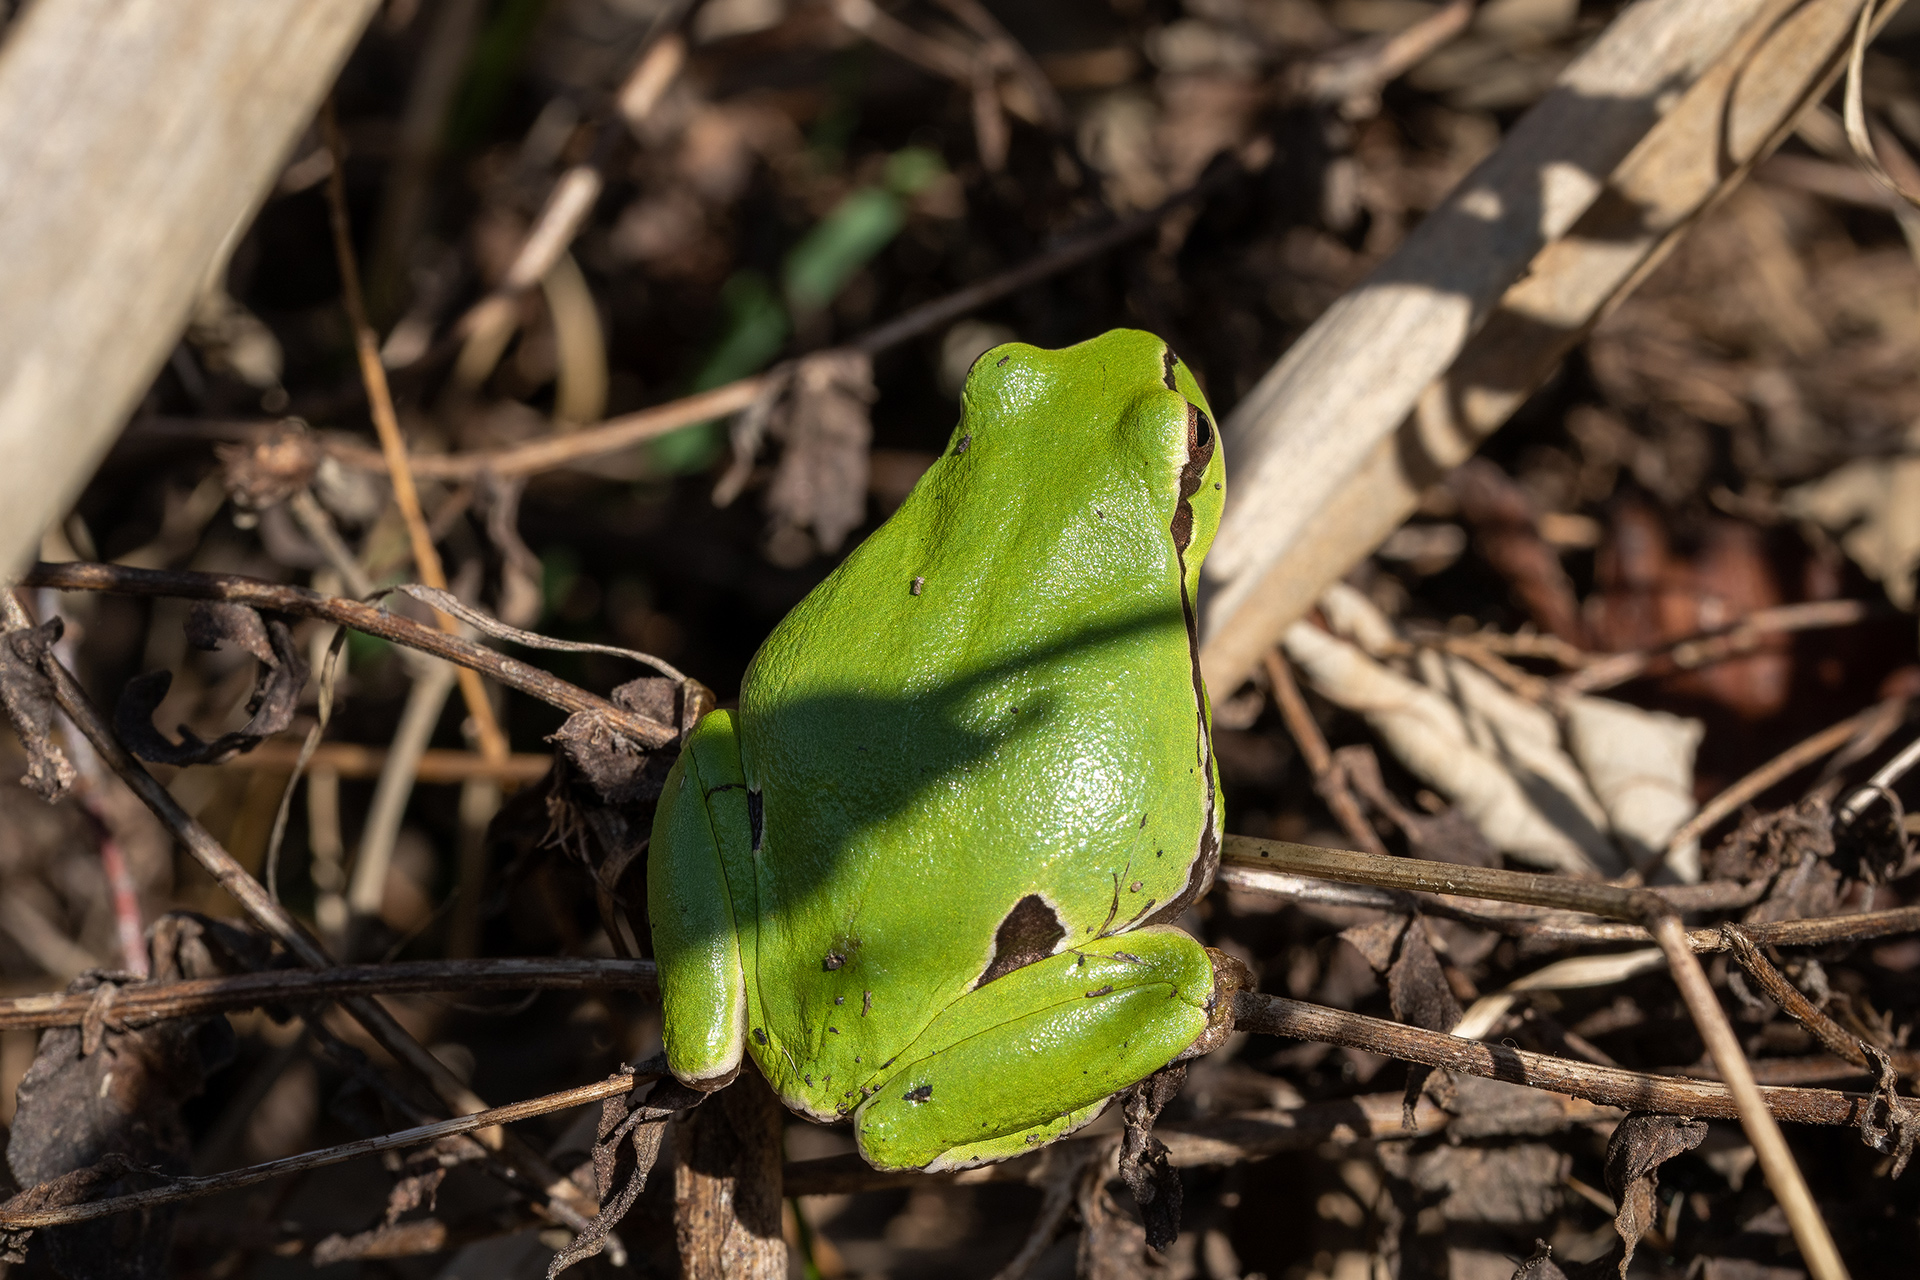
(1121, 401)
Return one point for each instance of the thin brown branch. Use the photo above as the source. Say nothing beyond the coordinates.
(1327, 780)
(1778, 769)
(356, 760)
(1642, 906)
(212, 1184)
(617, 434)
(566, 1199)
(1743, 637)
(393, 446)
(1774, 984)
(1612, 1086)
(371, 619)
(140, 1003)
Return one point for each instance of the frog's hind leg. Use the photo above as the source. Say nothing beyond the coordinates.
(703, 815)
(1034, 1054)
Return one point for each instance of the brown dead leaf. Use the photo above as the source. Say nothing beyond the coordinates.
(105, 1102)
(1640, 1145)
(1143, 1157)
(821, 482)
(276, 693)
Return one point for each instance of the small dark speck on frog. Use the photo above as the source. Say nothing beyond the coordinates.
(961, 447)
(759, 1036)
(1136, 886)
(918, 1094)
(918, 583)
(833, 960)
(1216, 484)
(1002, 360)
(1143, 821)
(866, 1005)
(835, 1030)
(839, 999)
(1106, 990)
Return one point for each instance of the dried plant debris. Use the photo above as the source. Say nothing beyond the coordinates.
(27, 693)
(270, 708)
(1693, 549)
(99, 1111)
(1639, 1146)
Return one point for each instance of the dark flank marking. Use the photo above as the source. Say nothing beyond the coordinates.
(918, 1095)
(833, 960)
(756, 816)
(1168, 361)
(1029, 932)
(1201, 443)
(866, 1004)
(1106, 990)
(759, 1036)
(960, 446)
(726, 786)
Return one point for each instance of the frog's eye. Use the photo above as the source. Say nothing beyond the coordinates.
(1199, 428)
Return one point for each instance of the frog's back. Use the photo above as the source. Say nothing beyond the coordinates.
(987, 724)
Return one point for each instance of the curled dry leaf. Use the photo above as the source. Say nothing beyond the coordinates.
(1639, 1146)
(1522, 814)
(27, 694)
(1640, 764)
(276, 694)
(821, 482)
(99, 1109)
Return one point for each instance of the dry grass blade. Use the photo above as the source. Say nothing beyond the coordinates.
(393, 447)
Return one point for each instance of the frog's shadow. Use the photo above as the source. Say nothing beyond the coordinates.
(855, 762)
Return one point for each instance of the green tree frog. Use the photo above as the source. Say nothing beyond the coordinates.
(926, 874)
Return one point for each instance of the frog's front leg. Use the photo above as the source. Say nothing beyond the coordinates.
(703, 824)
(1033, 1054)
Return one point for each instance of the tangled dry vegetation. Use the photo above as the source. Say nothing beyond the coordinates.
(619, 322)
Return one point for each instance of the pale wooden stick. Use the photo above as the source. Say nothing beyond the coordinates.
(134, 139)
(1401, 380)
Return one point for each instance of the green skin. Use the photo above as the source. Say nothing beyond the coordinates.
(926, 874)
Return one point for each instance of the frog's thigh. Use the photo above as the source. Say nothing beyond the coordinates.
(703, 994)
(1029, 1056)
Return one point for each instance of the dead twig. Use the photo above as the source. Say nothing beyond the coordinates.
(1642, 906)
(1781, 767)
(1328, 780)
(1790, 998)
(393, 447)
(355, 760)
(565, 1198)
(371, 619)
(617, 434)
(138, 1004)
(1719, 645)
(212, 1184)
